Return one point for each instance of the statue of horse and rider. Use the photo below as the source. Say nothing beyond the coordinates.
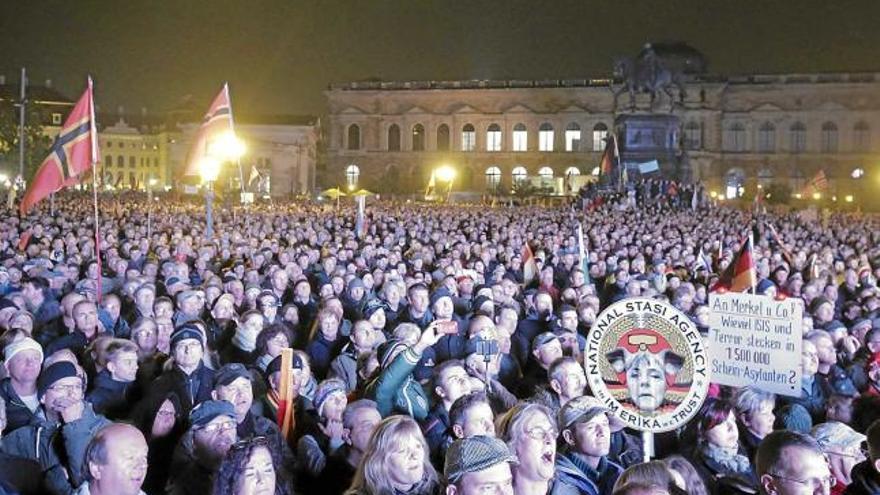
(655, 71)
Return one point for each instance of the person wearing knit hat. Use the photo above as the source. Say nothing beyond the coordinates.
(188, 377)
(60, 434)
(315, 447)
(478, 464)
(23, 360)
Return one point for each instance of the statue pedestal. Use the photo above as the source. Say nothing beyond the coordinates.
(646, 137)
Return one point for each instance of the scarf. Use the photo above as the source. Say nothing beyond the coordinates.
(244, 340)
(731, 461)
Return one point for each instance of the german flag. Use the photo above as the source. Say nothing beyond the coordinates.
(741, 274)
(610, 157)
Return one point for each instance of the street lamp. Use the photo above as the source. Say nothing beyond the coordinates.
(446, 173)
(209, 168)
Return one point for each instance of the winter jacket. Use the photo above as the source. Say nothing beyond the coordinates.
(59, 448)
(573, 471)
(438, 432)
(344, 367)
(188, 475)
(17, 412)
(22, 476)
(111, 397)
(321, 352)
(337, 474)
(813, 400)
(865, 480)
(395, 391)
(191, 389)
(526, 331)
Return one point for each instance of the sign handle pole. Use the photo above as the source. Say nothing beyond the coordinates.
(648, 445)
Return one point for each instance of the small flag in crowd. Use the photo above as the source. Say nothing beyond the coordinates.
(582, 253)
(741, 274)
(74, 151)
(818, 183)
(702, 262)
(360, 222)
(530, 267)
(254, 177)
(216, 123)
(432, 186)
(610, 157)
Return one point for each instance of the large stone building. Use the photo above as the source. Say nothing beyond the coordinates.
(733, 132)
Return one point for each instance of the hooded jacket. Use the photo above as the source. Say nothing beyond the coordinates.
(109, 396)
(395, 390)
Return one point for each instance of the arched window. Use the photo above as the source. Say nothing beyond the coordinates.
(545, 173)
(545, 137)
(468, 138)
(132, 161)
(418, 138)
(693, 135)
(735, 137)
(443, 137)
(767, 138)
(798, 137)
(520, 138)
(519, 175)
(394, 137)
(572, 137)
(829, 137)
(493, 138)
(572, 171)
(600, 132)
(354, 137)
(352, 172)
(493, 178)
(108, 160)
(861, 137)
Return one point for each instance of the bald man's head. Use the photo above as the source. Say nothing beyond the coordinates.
(116, 460)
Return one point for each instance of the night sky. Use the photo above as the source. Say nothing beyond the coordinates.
(278, 55)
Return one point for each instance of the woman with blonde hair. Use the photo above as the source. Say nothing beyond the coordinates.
(396, 462)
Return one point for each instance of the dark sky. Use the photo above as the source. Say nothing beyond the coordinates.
(278, 55)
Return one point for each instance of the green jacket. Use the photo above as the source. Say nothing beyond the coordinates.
(59, 448)
(395, 391)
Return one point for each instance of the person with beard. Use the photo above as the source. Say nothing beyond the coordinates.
(158, 418)
(202, 448)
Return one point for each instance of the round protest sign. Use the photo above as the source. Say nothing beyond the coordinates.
(647, 362)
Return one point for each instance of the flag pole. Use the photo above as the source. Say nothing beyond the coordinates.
(94, 159)
(754, 279)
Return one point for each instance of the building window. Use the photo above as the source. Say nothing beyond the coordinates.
(394, 138)
(767, 138)
(109, 144)
(131, 161)
(493, 177)
(546, 175)
(600, 132)
(156, 161)
(545, 137)
(735, 138)
(572, 171)
(418, 138)
(108, 160)
(572, 137)
(519, 175)
(468, 138)
(862, 137)
(798, 137)
(56, 119)
(765, 177)
(829, 137)
(354, 137)
(734, 180)
(443, 137)
(493, 138)
(693, 135)
(120, 161)
(352, 172)
(520, 138)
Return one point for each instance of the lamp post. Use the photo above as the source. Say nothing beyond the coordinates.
(209, 169)
(446, 174)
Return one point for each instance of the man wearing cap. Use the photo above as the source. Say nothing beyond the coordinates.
(190, 304)
(23, 359)
(202, 448)
(189, 377)
(232, 383)
(58, 437)
(546, 349)
(478, 464)
(586, 436)
(842, 445)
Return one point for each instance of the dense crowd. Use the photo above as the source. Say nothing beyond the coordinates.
(424, 362)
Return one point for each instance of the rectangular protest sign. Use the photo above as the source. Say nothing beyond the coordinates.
(756, 340)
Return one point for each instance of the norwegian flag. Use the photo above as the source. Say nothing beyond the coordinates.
(216, 123)
(73, 153)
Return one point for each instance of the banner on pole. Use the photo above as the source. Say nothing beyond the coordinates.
(755, 340)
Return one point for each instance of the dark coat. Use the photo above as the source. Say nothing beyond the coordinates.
(17, 413)
(865, 480)
(190, 389)
(110, 397)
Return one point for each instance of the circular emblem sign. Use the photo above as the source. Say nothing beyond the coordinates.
(647, 362)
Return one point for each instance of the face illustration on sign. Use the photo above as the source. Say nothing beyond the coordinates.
(647, 362)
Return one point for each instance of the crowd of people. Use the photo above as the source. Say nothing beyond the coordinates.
(424, 361)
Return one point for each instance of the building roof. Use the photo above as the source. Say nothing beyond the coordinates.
(35, 93)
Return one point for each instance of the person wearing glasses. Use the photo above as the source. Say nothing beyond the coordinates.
(792, 463)
(202, 449)
(585, 433)
(249, 468)
(530, 432)
(57, 437)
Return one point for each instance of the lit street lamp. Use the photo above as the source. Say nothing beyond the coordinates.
(445, 173)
